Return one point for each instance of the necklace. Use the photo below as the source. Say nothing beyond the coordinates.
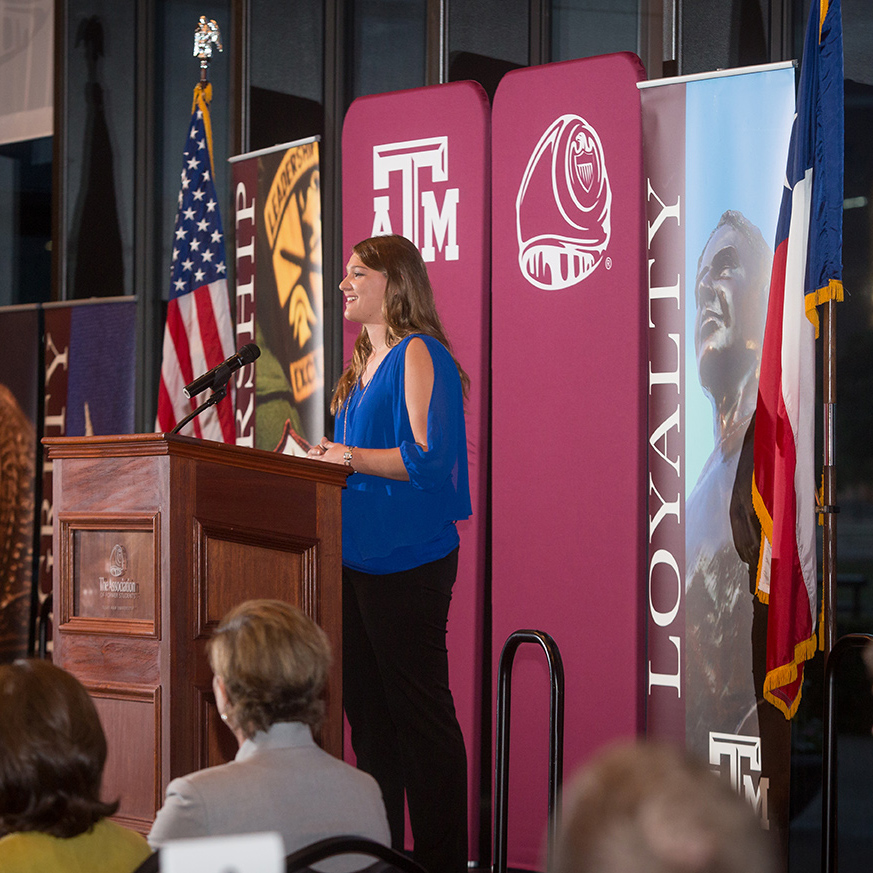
(357, 388)
(348, 405)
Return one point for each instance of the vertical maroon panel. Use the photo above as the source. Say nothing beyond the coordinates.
(568, 359)
(57, 370)
(664, 126)
(416, 163)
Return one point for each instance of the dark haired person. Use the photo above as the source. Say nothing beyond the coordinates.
(399, 410)
(270, 664)
(52, 753)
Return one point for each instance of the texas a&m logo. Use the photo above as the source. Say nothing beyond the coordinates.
(738, 757)
(414, 173)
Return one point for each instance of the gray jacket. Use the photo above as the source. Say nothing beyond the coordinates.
(279, 781)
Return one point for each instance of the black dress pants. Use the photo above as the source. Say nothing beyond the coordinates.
(397, 699)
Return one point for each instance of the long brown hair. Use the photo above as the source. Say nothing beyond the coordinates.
(408, 308)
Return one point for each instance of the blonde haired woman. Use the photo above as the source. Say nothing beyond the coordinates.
(270, 665)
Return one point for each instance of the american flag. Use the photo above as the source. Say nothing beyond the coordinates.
(807, 270)
(199, 334)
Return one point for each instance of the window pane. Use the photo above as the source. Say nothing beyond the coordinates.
(25, 221)
(99, 167)
(583, 28)
(286, 59)
(389, 45)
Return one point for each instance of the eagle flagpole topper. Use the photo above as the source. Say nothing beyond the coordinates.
(206, 36)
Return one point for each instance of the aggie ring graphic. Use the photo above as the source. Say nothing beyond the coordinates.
(564, 205)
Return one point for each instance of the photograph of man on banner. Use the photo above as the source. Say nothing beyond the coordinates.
(732, 203)
(730, 294)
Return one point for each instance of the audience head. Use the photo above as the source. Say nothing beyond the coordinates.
(648, 808)
(52, 752)
(271, 663)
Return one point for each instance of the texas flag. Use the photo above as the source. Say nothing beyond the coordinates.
(807, 270)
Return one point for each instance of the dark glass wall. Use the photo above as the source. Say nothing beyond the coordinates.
(25, 221)
(286, 60)
(389, 48)
(99, 67)
(582, 28)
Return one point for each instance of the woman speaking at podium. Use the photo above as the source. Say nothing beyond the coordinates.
(399, 410)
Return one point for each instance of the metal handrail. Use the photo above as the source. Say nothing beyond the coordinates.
(829, 749)
(556, 738)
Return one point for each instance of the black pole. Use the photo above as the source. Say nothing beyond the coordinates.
(829, 477)
(829, 749)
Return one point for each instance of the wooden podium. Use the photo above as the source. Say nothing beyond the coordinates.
(155, 538)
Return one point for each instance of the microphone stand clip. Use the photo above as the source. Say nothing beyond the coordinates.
(219, 393)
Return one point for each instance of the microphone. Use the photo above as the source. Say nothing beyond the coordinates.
(218, 376)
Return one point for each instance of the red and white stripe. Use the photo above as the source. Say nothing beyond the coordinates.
(198, 337)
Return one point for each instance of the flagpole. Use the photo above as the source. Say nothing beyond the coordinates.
(829, 479)
(199, 332)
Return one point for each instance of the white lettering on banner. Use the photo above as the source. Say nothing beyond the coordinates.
(743, 754)
(58, 358)
(54, 424)
(666, 583)
(431, 226)
(665, 213)
(245, 312)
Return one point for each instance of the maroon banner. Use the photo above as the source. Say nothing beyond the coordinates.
(664, 120)
(280, 400)
(569, 388)
(245, 182)
(19, 389)
(416, 163)
(90, 354)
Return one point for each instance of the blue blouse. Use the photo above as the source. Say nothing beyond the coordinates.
(390, 525)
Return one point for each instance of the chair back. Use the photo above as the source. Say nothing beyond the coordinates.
(388, 860)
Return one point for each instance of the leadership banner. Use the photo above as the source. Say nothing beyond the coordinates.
(569, 388)
(90, 373)
(280, 399)
(19, 392)
(416, 163)
(715, 149)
